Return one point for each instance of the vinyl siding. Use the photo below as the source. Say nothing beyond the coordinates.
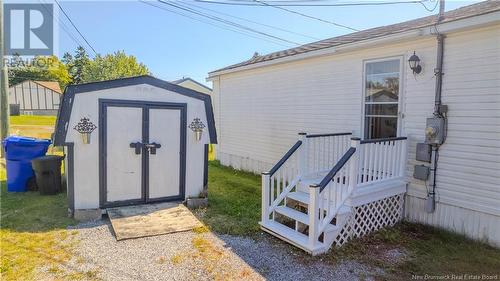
(33, 97)
(260, 111)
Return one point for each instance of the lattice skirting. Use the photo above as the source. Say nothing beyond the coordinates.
(371, 217)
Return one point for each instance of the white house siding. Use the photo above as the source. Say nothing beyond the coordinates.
(86, 156)
(259, 113)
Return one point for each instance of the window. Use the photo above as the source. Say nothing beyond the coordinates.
(381, 98)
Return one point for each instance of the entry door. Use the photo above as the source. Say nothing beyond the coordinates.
(382, 98)
(142, 152)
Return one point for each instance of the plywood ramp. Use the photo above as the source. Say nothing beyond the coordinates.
(149, 220)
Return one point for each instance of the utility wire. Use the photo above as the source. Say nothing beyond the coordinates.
(305, 15)
(230, 23)
(245, 3)
(211, 23)
(430, 10)
(62, 25)
(254, 22)
(76, 28)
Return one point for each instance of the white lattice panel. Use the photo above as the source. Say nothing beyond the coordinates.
(371, 217)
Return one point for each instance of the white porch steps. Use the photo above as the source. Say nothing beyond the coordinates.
(298, 239)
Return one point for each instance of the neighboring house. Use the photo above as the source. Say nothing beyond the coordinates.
(361, 83)
(35, 97)
(193, 85)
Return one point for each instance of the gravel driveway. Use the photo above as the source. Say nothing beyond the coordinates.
(201, 256)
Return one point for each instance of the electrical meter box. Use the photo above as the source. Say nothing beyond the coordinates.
(421, 172)
(423, 152)
(435, 130)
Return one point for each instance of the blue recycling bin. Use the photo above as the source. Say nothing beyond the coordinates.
(19, 151)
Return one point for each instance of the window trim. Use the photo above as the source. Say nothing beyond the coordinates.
(402, 69)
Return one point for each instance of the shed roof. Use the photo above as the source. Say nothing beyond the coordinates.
(185, 79)
(64, 112)
(51, 85)
(460, 13)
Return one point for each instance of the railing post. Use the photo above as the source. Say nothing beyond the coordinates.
(303, 158)
(354, 164)
(266, 180)
(313, 210)
(404, 155)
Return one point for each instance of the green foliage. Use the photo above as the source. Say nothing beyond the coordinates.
(76, 69)
(46, 68)
(76, 65)
(113, 66)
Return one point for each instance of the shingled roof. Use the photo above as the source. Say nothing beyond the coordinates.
(460, 13)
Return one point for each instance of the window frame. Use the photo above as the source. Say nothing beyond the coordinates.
(399, 126)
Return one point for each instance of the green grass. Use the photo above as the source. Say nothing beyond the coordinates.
(32, 120)
(233, 201)
(427, 250)
(33, 227)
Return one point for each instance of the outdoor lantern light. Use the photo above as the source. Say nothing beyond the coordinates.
(85, 128)
(414, 62)
(197, 127)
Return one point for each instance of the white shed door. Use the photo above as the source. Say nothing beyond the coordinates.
(123, 166)
(142, 152)
(164, 165)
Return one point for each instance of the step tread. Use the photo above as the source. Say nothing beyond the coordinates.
(293, 214)
(294, 237)
(302, 197)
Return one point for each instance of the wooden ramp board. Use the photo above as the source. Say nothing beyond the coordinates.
(152, 219)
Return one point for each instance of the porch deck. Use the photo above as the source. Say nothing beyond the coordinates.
(329, 188)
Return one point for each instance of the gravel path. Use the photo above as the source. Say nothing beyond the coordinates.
(201, 256)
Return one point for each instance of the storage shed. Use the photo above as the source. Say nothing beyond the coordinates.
(35, 98)
(150, 143)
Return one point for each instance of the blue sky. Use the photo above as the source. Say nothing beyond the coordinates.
(173, 46)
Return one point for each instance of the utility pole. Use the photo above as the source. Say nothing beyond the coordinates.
(441, 10)
(4, 86)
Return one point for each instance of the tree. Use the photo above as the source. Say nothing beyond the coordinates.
(113, 66)
(46, 68)
(76, 66)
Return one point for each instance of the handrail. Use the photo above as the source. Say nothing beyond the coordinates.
(326, 180)
(283, 159)
(382, 140)
(327, 135)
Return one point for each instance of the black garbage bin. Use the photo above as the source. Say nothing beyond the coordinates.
(48, 173)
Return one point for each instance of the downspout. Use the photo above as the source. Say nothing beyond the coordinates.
(440, 111)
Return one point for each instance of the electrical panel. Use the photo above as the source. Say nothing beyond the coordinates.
(435, 130)
(421, 172)
(423, 152)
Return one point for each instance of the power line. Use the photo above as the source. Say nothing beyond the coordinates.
(211, 23)
(62, 24)
(228, 22)
(305, 15)
(254, 22)
(76, 28)
(246, 3)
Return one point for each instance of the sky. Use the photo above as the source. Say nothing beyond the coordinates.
(175, 46)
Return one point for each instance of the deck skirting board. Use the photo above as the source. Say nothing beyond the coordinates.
(474, 224)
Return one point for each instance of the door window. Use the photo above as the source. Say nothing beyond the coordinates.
(381, 98)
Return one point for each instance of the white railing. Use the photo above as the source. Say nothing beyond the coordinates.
(327, 197)
(324, 151)
(278, 182)
(382, 159)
